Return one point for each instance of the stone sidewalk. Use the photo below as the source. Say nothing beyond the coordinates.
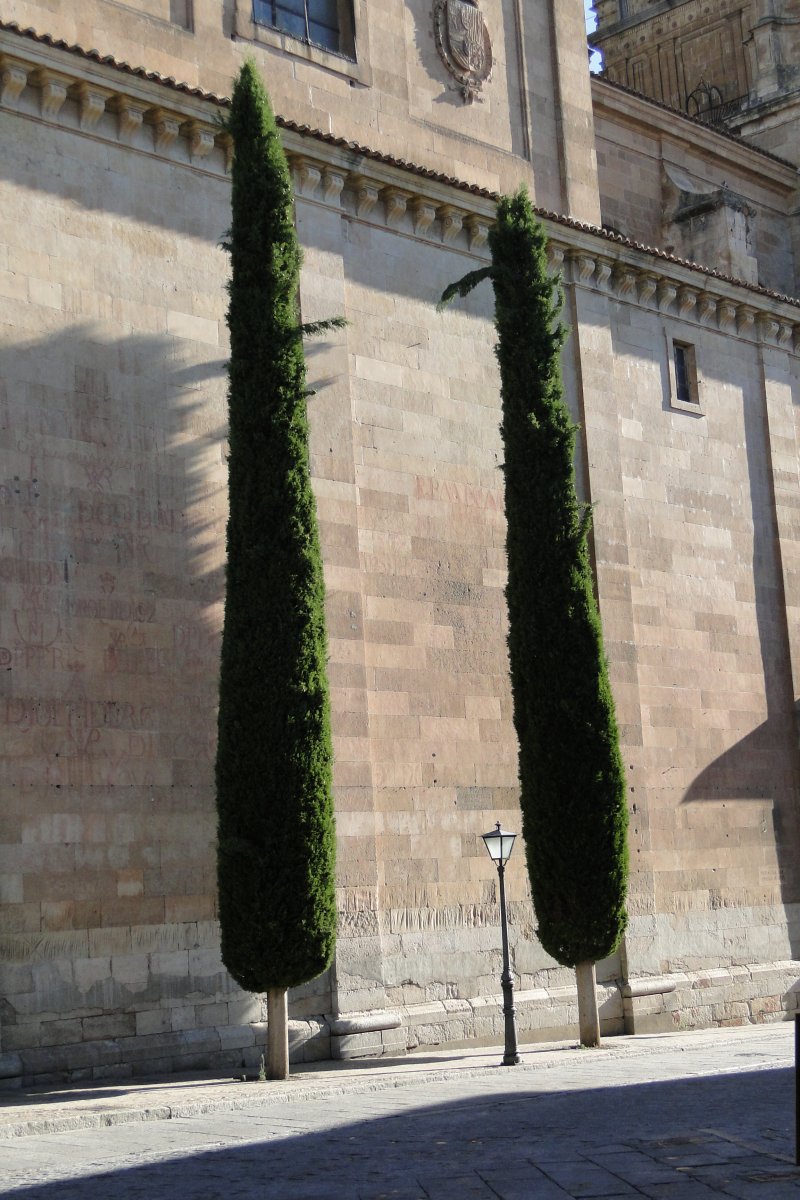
(679, 1116)
(57, 1108)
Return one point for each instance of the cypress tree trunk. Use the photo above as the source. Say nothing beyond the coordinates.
(588, 1017)
(275, 812)
(277, 1059)
(572, 785)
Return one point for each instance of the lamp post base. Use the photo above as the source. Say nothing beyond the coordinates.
(511, 1057)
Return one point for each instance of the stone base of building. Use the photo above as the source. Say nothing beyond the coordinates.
(739, 995)
(234, 1049)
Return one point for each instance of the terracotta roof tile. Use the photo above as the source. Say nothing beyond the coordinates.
(412, 168)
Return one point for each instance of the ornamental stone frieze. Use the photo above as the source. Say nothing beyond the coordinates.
(693, 303)
(110, 104)
(141, 113)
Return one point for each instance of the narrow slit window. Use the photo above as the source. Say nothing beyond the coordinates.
(683, 358)
(681, 373)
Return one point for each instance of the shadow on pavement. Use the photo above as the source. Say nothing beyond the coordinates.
(722, 1135)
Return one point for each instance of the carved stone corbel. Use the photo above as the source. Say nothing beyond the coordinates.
(13, 78)
(452, 222)
(332, 185)
(585, 266)
(768, 328)
(424, 215)
(666, 292)
(130, 116)
(624, 280)
(602, 274)
(395, 202)
(477, 231)
(555, 259)
(745, 319)
(166, 128)
(201, 140)
(366, 193)
(52, 91)
(707, 308)
(647, 288)
(726, 314)
(92, 102)
(307, 176)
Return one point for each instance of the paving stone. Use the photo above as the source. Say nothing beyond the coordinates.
(543, 1134)
(523, 1185)
(582, 1178)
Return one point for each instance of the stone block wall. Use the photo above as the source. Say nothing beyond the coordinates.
(112, 508)
(655, 165)
(696, 582)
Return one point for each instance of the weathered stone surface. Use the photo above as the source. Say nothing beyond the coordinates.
(112, 398)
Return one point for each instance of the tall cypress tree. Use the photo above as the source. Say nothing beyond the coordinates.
(273, 771)
(572, 783)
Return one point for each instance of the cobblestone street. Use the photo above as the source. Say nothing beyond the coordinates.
(684, 1117)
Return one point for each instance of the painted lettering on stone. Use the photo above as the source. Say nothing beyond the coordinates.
(451, 492)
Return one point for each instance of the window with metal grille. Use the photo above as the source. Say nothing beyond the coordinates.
(317, 22)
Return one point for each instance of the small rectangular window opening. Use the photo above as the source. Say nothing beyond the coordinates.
(681, 373)
(685, 373)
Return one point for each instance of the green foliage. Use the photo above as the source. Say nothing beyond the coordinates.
(275, 811)
(572, 783)
(463, 286)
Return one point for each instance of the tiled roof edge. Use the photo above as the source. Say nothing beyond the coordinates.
(677, 112)
(566, 222)
(108, 60)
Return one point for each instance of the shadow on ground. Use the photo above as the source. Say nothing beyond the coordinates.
(723, 1135)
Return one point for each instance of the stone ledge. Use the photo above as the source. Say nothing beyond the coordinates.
(717, 996)
(184, 128)
(367, 1022)
(227, 1048)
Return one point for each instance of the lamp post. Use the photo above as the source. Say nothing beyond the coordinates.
(499, 842)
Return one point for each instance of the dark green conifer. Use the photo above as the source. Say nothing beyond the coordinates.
(572, 784)
(276, 832)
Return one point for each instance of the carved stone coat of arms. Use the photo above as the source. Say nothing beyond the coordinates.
(462, 40)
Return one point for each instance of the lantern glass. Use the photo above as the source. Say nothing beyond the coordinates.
(499, 842)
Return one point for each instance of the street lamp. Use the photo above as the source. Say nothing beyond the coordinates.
(499, 842)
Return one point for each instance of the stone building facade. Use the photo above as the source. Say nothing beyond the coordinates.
(735, 65)
(678, 248)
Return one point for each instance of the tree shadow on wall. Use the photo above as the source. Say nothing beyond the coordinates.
(756, 781)
(112, 552)
(111, 559)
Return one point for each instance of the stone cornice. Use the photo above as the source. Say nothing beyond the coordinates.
(679, 292)
(97, 99)
(630, 106)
